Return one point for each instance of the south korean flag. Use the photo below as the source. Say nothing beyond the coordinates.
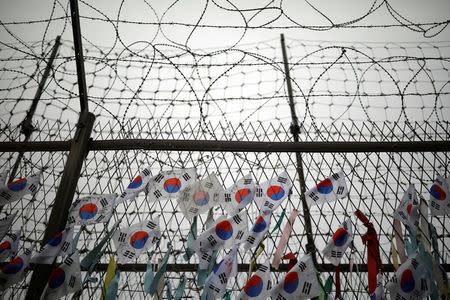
(216, 282)
(15, 190)
(379, 291)
(328, 190)
(14, 271)
(340, 241)
(440, 197)
(199, 197)
(408, 210)
(170, 184)
(10, 245)
(59, 245)
(224, 234)
(411, 280)
(91, 210)
(272, 193)
(132, 241)
(65, 279)
(301, 281)
(138, 185)
(258, 231)
(239, 195)
(5, 224)
(259, 285)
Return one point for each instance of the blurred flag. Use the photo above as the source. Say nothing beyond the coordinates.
(65, 279)
(5, 224)
(170, 184)
(258, 231)
(216, 283)
(14, 271)
(408, 210)
(270, 194)
(440, 197)
(10, 245)
(340, 241)
(300, 282)
(411, 280)
(258, 286)
(132, 241)
(199, 197)
(15, 190)
(61, 245)
(91, 210)
(138, 185)
(328, 190)
(239, 195)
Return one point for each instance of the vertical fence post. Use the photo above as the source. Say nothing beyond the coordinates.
(295, 129)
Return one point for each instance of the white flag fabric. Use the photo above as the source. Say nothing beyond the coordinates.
(270, 194)
(199, 197)
(14, 271)
(15, 190)
(407, 211)
(65, 279)
(328, 190)
(60, 245)
(259, 285)
(258, 231)
(91, 210)
(10, 245)
(239, 194)
(132, 241)
(301, 281)
(3, 178)
(170, 184)
(411, 280)
(440, 197)
(138, 185)
(216, 282)
(379, 291)
(340, 241)
(224, 234)
(5, 224)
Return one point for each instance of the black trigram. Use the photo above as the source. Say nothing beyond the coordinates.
(345, 226)
(32, 188)
(27, 251)
(423, 284)
(399, 297)
(306, 288)
(99, 218)
(146, 172)
(313, 196)
(72, 281)
(223, 278)
(239, 234)
(13, 236)
(122, 237)
(151, 225)
(263, 268)
(209, 184)
(247, 181)
(250, 239)
(158, 178)
(340, 190)
(214, 288)
(123, 195)
(5, 195)
(337, 254)
(336, 176)
(193, 210)
(227, 197)
(237, 219)
(206, 256)
(103, 202)
(402, 214)
(280, 297)
(435, 205)
(212, 241)
(282, 179)
(69, 261)
(414, 263)
(155, 240)
(268, 204)
(129, 254)
(71, 220)
(65, 246)
(157, 194)
(302, 266)
(186, 176)
(259, 192)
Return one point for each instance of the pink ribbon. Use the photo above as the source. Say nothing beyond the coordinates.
(398, 235)
(284, 239)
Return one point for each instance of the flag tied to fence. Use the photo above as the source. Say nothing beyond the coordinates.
(216, 283)
(170, 184)
(14, 271)
(59, 245)
(10, 245)
(408, 210)
(91, 210)
(239, 195)
(339, 243)
(328, 190)
(259, 285)
(14, 191)
(270, 194)
(5, 224)
(138, 185)
(440, 197)
(258, 231)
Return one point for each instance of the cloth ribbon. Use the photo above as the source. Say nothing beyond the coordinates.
(284, 239)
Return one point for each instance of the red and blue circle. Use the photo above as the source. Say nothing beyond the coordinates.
(6, 245)
(18, 185)
(138, 239)
(325, 186)
(291, 282)
(224, 230)
(437, 192)
(407, 282)
(340, 237)
(88, 211)
(13, 267)
(260, 225)
(275, 192)
(137, 182)
(243, 195)
(56, 240)
(254, 286)
(172, 185)
(201, 198)
(57, 278)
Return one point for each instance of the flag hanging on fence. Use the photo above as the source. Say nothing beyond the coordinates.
(60, 245)
(259, 285)
(5, 224)
(258, 231)
(379, 291)
(10, 245)
(225, 234)
(138, 185)
(170, 184)
(15, 190)
(270, 194)
(301, 281)
(65, 279)
(239, 195)
(14, 271)
(132, 241)
(440, 197)
(91, 210)
(199, 197)
(340, 241)
(408, 210)
(328, 190)
(411, 280)
(216, 283)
